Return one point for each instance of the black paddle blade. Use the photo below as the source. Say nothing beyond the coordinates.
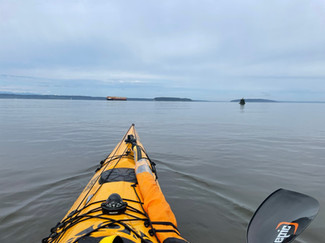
(282, 217)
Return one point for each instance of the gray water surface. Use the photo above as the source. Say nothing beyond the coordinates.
(216, 162)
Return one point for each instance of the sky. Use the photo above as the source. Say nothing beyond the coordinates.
(207, 49)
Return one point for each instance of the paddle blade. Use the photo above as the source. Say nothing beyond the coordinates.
(282, 217)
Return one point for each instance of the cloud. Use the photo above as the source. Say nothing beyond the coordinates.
(201, 47)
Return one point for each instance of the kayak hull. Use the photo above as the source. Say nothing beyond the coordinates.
(85, 218)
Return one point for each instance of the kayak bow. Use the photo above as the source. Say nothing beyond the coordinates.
(112, 204)
(123, 203)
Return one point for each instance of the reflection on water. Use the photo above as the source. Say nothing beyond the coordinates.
(242, 108)
(216, 163)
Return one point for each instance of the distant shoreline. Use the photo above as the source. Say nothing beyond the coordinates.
(275, 101)
(255, 100)
(49, 97)
(171, 99)
(81, 97)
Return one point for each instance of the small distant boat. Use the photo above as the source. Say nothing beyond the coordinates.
(115, 98)
(242, 101)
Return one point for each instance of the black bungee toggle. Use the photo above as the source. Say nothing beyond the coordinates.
(114, 205)
(131, 139)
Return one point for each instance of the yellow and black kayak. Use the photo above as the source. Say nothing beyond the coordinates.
(123, 203)
(112, 206)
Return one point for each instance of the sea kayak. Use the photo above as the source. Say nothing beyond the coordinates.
(114, 208)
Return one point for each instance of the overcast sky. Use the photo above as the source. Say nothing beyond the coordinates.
(217, 49)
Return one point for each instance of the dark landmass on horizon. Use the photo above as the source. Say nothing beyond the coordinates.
(254, 100)
(81, 97)
(140, 99)
(50, 97)
(171, 99)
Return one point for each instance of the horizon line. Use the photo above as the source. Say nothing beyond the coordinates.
(104, 97)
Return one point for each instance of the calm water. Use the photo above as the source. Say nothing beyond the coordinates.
(216, 161)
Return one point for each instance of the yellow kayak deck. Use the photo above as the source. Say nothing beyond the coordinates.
(85, 220)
